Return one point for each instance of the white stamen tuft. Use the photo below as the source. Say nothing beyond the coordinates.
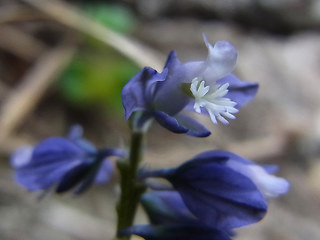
(213, 100)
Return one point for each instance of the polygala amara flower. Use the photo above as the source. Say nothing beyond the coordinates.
(223, 188)
(66, 163)
(206, 87)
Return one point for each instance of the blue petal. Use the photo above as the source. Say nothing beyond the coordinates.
(192, 70)
(271, 168)
(172, 60)
(100, 171)
(195, 129)
(164, 207)
(72, 178)
(82, 177)
(239, 91)
(169, 122)
(56, 149)
(75, 132)
(137, 93)
(21, 156)
(105, 172)
(75, 135)
(87, 181)
(51, 160)
(176, 232)
(168, 95)
(41, 178)
(217, 156)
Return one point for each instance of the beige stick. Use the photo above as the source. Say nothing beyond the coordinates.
(24, 98)
(68, 15)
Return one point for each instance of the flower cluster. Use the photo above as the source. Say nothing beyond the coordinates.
(212, 194)
(216, 191)
(66, 163)
(205, 198)
(202, 86)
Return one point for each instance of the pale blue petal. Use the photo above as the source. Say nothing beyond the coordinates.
(240, 92)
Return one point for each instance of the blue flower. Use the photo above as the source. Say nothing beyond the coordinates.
(202, 86)
(171, 219)
(223, 188)
(66, 163)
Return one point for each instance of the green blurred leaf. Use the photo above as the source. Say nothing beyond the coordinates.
(98, 73)
(93, 79)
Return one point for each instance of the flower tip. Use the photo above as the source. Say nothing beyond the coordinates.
(206, 40)
(269, 185)
(204, 134)
(221, 49)
(21, 156)
(281, 186)
(224, 50)
(75, 132)
(272, 186)
(286, 187)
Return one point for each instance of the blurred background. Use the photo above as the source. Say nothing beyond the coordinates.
(65, 62)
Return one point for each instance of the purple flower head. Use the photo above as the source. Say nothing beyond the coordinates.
(67, 163)
(202, 86)
(223, 188)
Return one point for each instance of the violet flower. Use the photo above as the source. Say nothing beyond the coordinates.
(66, 163)
(202, 86)
(223, 188)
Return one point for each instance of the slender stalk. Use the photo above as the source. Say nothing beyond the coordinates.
(131, 187)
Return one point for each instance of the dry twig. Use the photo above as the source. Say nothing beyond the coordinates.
(17, 13)
(75, 19)
(24, 98)
(19, 43)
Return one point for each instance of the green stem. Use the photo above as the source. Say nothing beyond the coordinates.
(131, 187)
